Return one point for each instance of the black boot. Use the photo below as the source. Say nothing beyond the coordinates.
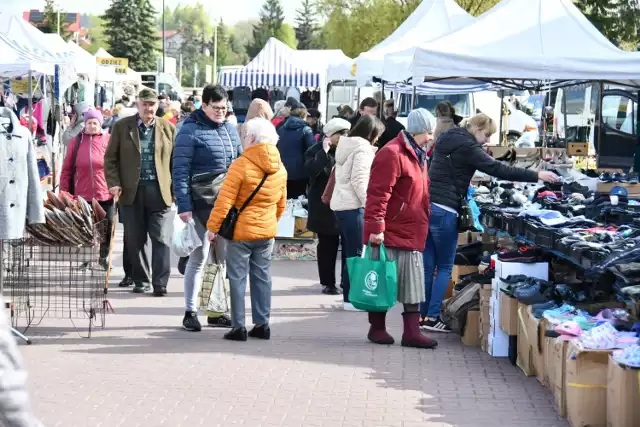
(126, 282)
(262, 332)
(238, 334)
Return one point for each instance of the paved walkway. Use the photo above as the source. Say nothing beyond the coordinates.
(318, 370)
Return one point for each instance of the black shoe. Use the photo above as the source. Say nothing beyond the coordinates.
(238, 334)
(434, 324)
(104, 263)
(525, 254)
(182, 264)
(159, 291)
(633, 178)
(219, 322)
(140, 288)
(262, 332)
(330, 290)
(126, 282)
(190, 322)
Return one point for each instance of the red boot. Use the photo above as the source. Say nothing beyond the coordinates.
(378, 331)
(412, 337)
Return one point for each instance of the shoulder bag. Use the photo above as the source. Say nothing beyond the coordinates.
(228, 226)
(206, 186)
(328, 189)
(466, 222)
(72, 170)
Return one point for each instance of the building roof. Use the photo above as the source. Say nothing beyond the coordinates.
(72, 20)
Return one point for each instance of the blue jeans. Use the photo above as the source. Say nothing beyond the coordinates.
(351, 225)
(439, 253)
(252, 258)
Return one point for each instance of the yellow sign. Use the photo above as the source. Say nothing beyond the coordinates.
(113, 62)
(121, 71)
(21, 86)
(354, 68)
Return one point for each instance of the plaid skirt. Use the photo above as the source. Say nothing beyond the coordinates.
(410, 273)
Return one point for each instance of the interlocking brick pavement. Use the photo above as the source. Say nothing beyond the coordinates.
(318, 370)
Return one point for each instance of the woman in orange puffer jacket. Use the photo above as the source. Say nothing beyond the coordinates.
(258, 169)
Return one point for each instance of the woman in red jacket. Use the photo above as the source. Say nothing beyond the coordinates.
(83, 170)
(397, 213)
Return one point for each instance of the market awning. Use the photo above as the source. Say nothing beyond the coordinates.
(537, 40)
(276, 65)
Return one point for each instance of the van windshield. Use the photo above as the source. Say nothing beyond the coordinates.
(429, 102)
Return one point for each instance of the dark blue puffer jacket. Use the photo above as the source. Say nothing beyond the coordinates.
(296, 137)
(202, 146)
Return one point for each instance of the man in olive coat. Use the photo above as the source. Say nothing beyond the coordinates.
(138, 171)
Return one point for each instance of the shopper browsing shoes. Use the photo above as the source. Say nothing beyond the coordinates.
(256, 186)
(319, 161)
(457, 155)
(354, 156)
(397, 213)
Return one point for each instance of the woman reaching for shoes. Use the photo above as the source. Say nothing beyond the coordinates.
(457, 154)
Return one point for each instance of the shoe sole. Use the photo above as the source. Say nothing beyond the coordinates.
(432, 329)
(520, 259)
(191, 329)
(139, 290)
(430, 347)
(128, 285)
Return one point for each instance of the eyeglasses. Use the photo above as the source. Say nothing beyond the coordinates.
(218, 109)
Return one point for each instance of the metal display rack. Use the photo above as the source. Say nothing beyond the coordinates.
(51, 280)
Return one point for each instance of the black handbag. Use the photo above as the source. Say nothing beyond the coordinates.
(466, 222)
(228, 226)
(206, 186)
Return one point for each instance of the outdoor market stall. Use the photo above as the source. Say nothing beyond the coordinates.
(552, 281)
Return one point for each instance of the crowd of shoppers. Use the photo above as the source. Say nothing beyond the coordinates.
(365, 180)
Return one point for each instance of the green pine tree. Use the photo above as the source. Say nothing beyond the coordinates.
(50, 23)
(618, 20)
(271, 20)
(130, 29)
(306, 26)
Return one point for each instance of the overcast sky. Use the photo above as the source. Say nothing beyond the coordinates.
(241, 10)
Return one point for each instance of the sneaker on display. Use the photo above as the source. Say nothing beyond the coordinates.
(522, 254)
(190, 322)
(434, 324)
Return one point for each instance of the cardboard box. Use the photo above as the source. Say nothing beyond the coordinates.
(471, 334)
(508, 314)
(578, 149)
(536, 331)
(586, 386)
(557, 374)
(301, 231)
(462, 270)
(549, 363)
(525, 356)
(463, 238)
(606, 187)
(623, 396)
(539, 270)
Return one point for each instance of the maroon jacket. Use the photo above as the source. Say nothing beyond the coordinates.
(398, 197)
(89, 178)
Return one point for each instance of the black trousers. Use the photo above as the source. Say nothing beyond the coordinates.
(110, 209)
(296, 188)
(327, 254)
(126, 261)
(148, 216)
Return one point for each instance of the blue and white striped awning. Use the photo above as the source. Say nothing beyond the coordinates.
(275, 66)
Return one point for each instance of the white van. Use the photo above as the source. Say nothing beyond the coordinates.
(469, 104)
(162, 82)
(581, 102)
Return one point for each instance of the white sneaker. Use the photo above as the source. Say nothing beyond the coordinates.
(349, 307)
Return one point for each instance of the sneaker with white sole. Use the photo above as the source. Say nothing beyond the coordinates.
(434, 324)
(349, 307)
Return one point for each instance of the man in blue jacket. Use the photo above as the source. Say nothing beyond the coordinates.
(204, 149)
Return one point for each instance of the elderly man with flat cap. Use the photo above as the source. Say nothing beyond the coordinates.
(138, 171)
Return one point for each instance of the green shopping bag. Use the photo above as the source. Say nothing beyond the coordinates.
(374, 283)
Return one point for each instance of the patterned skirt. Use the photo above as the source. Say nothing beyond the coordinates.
(410, 273)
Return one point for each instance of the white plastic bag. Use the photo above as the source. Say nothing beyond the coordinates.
(185, 238)
(214, 294)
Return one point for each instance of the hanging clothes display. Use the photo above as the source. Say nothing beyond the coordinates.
(275, 95)
(260, 93)
(20, 192)
(310, 98)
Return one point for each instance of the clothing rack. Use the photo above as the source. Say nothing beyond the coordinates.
(14, 331)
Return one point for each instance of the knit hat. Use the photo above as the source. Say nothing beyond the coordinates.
(93, 114)
(420, 121)
(336, 125)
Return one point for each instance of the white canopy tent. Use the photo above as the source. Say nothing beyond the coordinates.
(85, 62)
(431, 19)
(24, 49)
(541, 40)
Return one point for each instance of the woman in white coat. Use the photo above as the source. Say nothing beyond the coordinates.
(354, 157)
